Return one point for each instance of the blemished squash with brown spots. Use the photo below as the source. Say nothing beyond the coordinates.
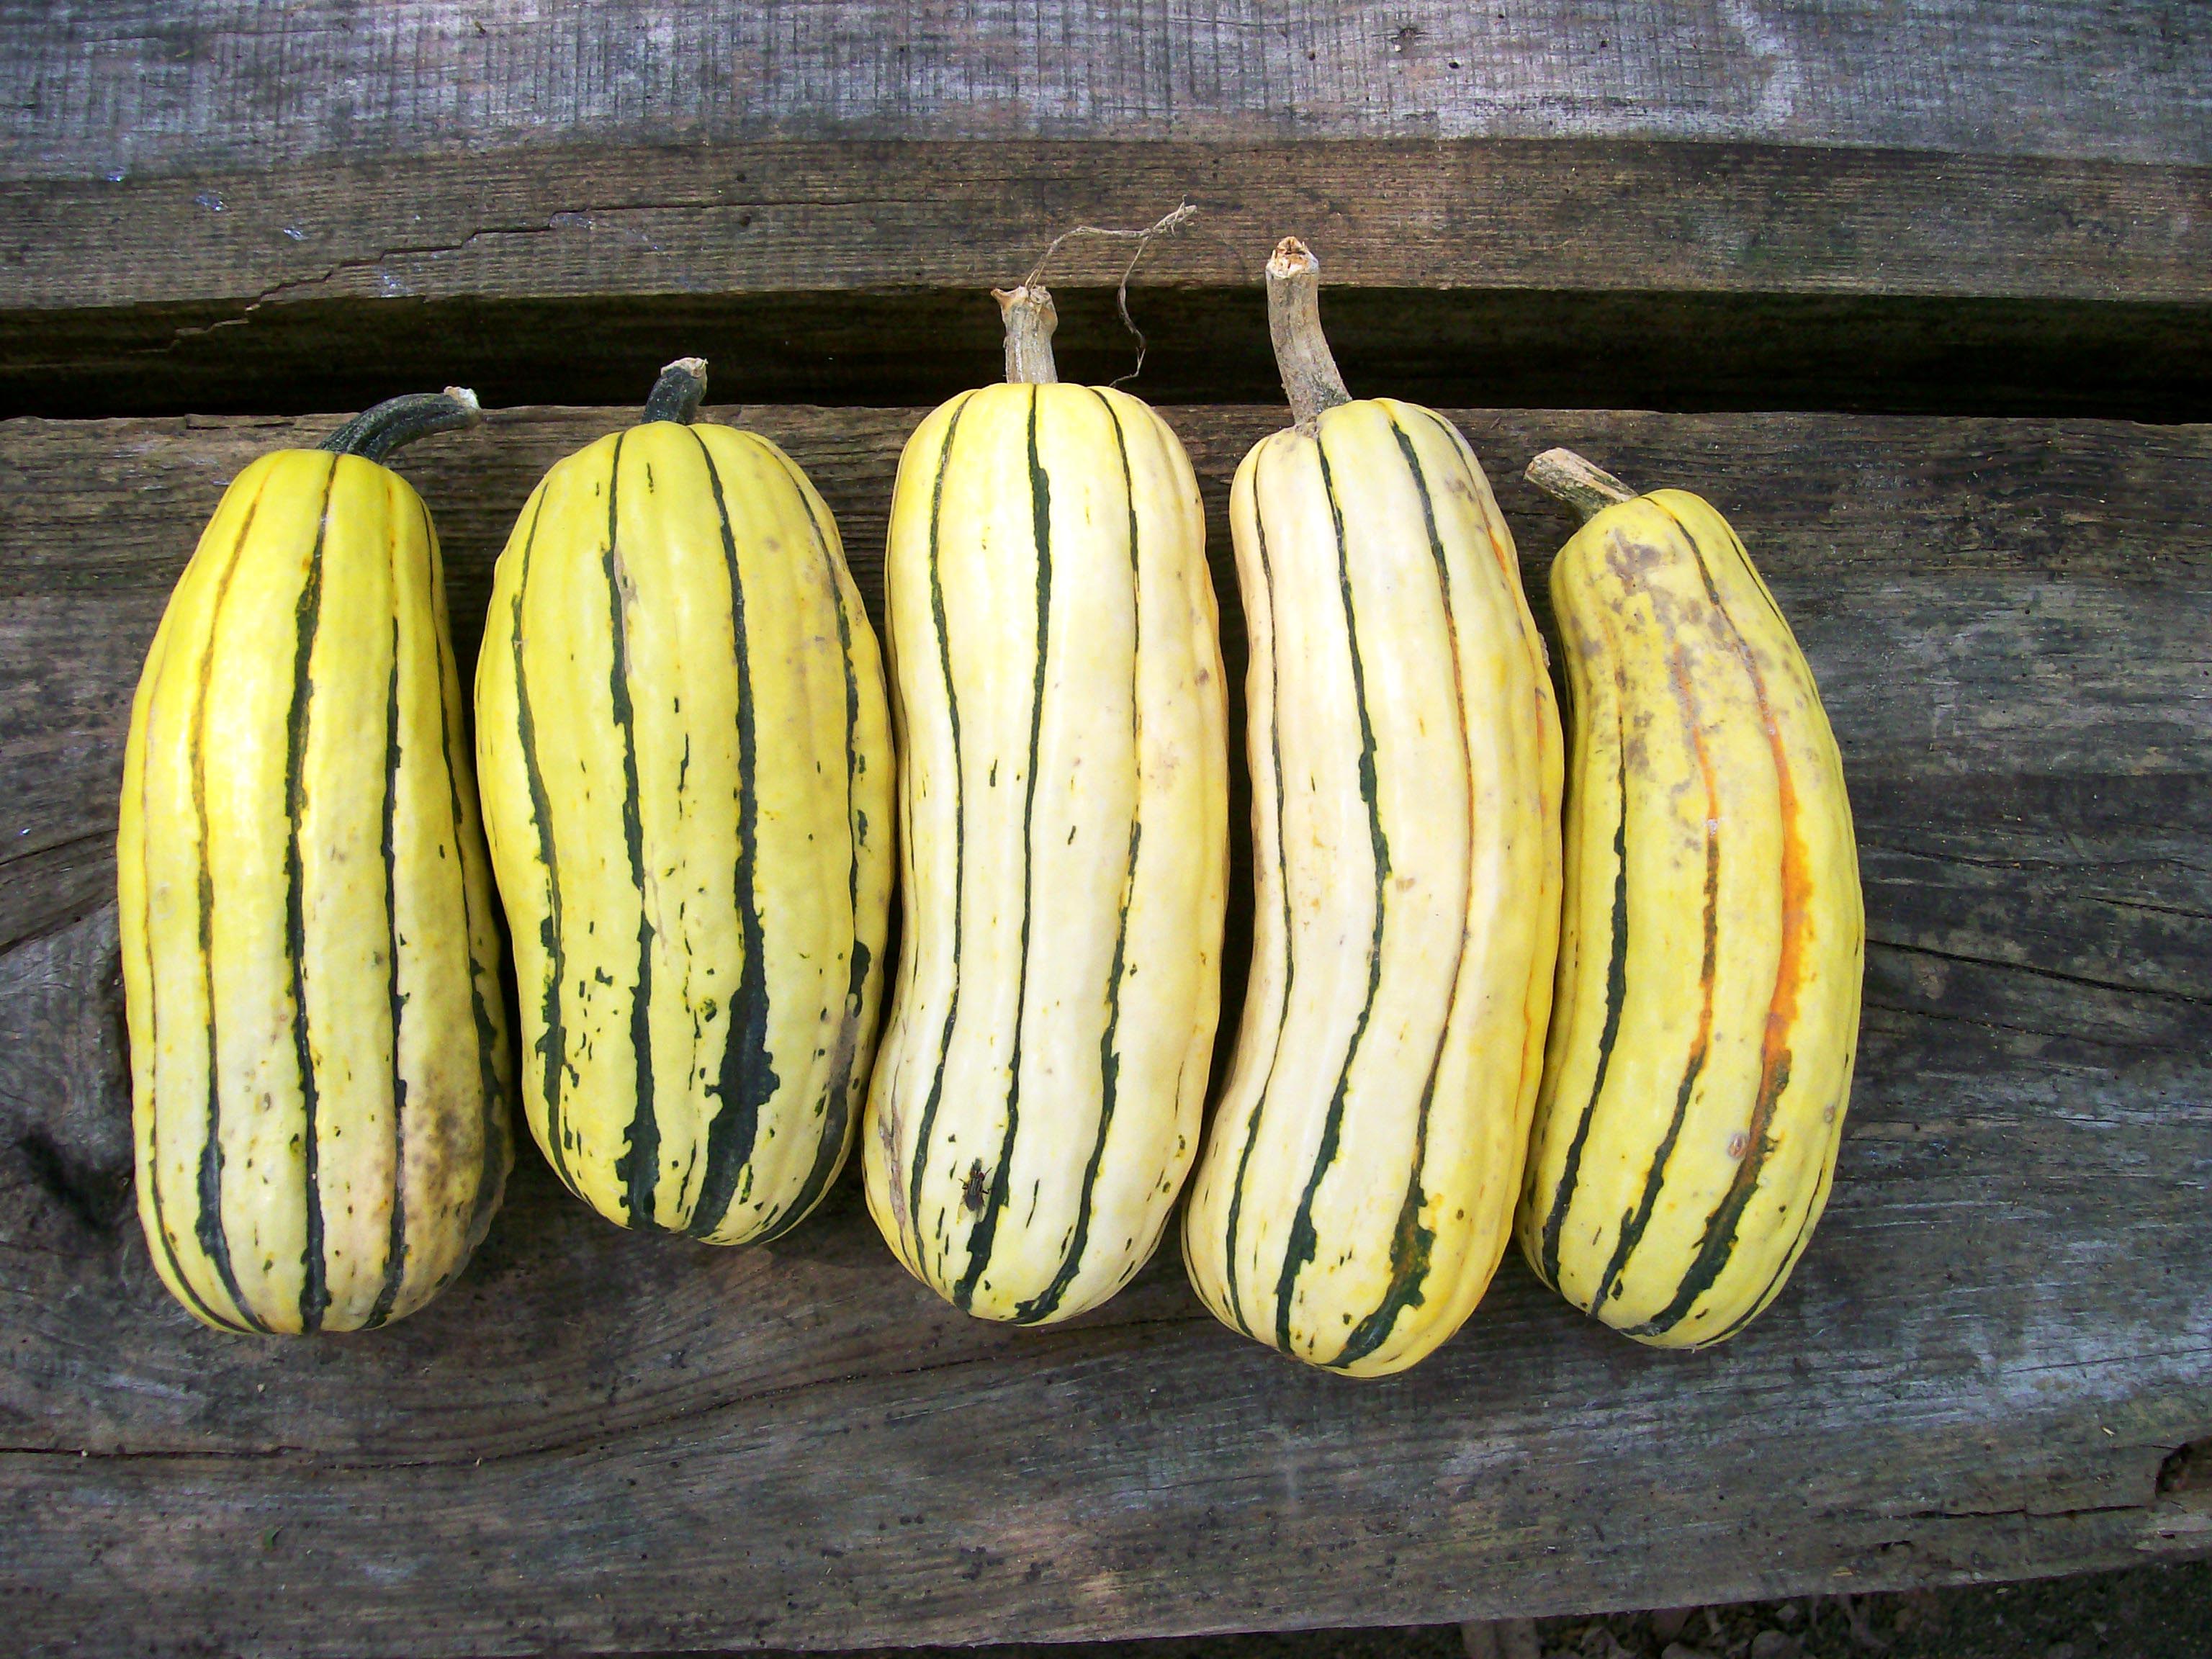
(1714, 936)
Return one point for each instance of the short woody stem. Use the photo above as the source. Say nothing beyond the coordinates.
(679, 393)
(1566, 477)
(1309, 369)
(1029, 319)
(375, 433)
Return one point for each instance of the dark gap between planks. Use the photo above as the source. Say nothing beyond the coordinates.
(1499, 348)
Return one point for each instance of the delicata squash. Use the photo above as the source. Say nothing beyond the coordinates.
(687, 771)
(1063, 801)
(310, 963)
(1358, 1180)
(1708, 1008)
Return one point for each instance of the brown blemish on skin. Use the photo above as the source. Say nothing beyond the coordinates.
(1774, 1059)
(895, 1170)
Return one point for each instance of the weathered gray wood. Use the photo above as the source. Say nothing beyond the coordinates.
(1962, 206)
(803, 217)
(144, 86)
(1502, 271)
(599, 1441)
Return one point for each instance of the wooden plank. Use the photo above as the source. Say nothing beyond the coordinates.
(791, 217)
(601, 1441)
(1694, 274)
(787, 217)
(141, 86)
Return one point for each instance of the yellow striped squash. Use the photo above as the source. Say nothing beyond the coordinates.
(310, 961)
(687, 773)
(1064, 805)
(1708, 998)
(1358, 1180)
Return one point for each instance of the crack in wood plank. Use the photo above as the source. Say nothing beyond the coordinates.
(2036, 971)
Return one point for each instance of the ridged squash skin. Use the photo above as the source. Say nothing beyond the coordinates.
(686, 757)
(1708, 1004)
(1064, 803)
(1358, 1180)
(310, 963)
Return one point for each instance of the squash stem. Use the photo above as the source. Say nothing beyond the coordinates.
(1311, 378)
(1566, 477)
(679, 393)
(375, 433)
(1029, 318)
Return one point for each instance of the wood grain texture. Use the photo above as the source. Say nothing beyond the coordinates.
(803, 216)
(596, 1440)
(1677, 274)
(141, 86)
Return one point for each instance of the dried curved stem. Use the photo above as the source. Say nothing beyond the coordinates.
(376, 431)
(1166, 225)
(1587, 488)
(1310, 377)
